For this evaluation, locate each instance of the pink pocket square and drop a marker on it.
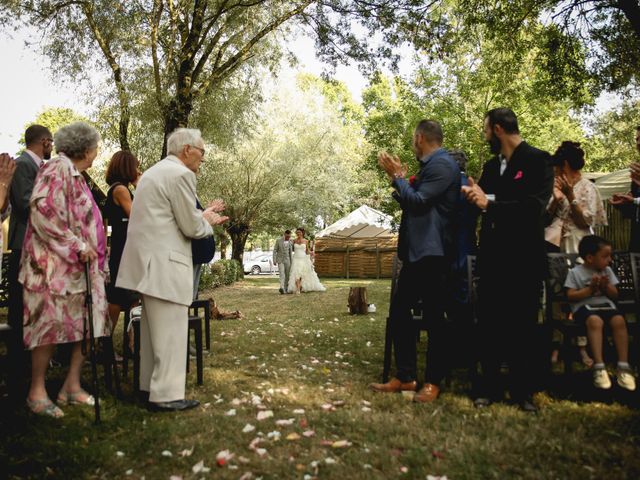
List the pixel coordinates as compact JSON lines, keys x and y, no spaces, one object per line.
{"x":518,"y":175}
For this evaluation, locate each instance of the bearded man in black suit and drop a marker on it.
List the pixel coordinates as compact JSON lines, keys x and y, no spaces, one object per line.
{"x":629,"y":203}
{"x":512,"y":194}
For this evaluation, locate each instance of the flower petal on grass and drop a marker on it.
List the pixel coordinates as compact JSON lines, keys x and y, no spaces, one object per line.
{"x":248,"y":428}
{"x":293,"y":436}
{"x":264,"y":414}
{"x":230,"y":413}
{"x":341,"y":444}
{"x":285,"y":422}
{"x":167,"y":453}
{"x":308,"y":433}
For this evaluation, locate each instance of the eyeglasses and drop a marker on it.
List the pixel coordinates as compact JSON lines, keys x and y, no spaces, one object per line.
{"x":202,"y":150}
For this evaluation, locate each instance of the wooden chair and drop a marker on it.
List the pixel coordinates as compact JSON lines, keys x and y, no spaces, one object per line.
{"x":557,"y":310}
{"x":194,"y":310}
{"x":195,"y":324}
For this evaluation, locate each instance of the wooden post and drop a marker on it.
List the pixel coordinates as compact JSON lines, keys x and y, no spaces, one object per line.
{"x":347,"y":263}
{"x":358,"y":300}
{"x":378,"y":267}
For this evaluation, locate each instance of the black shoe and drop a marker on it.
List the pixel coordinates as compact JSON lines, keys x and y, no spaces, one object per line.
{"x":528,"y":406}
{"x":175,"y":406}
{"x":281,"y":291}
{"x":482,"y":402}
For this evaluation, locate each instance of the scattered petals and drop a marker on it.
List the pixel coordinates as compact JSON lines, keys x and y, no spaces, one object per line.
{"x":437,"y":454}
{"x":404,"y":469}
{"x":299,"y":411}
{"x":187,"y":452}
{"x":366,"y":409}
{"x":261,"y":451}
{"x":119,"y":454}
{"x":275,"y":435}
{"x":308,"y":433}
{"x":248,"y":428}
{"x":264,"y":414}
{"x":223,"y":457}
{"x":341,"y":444}
{"x":293,"y":436}
{"x":230,"y":413}
{"x":200,"y":468}
{"x":329,"y":461}
{"x":285,"y":422}
{"x":167,"y":453}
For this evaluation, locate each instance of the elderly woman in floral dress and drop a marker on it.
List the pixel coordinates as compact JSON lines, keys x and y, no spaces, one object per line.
{"x":64,"y":231}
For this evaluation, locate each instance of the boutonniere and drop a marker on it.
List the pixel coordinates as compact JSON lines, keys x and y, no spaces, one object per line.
{"x":413,"y":179}
{"x":518,"y":175}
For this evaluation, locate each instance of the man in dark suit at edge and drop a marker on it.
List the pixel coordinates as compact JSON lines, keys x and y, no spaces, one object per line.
{"x":512,"y":194}
{"x":39,"y":143}
{"x":629,"y":203}
{"x":424,"y":246}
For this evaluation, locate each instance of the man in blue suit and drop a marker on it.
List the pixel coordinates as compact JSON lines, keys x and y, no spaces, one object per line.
{"x":425,"y":247}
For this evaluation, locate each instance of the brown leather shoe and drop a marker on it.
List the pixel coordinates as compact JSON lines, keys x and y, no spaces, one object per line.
{"x":393,"y":386}
{"x":427,"y":394}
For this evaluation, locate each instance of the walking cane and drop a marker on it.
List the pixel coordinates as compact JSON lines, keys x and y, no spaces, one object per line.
{"x":92,"y":343}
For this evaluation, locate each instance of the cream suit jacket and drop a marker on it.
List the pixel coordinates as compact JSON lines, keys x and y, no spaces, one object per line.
{"x":157,"y":255}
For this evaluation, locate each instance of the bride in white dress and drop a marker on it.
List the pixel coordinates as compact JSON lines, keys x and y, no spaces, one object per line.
{"x":302,"y":276}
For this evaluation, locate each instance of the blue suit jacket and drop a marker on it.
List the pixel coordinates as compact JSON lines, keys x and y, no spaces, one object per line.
{"x":428,"y":208}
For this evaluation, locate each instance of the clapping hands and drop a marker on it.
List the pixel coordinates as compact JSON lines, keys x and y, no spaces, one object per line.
{"x":216,"y":205}
{"x":475,"y":195}
{"x":7,"y":168}
{"x":392,"y":165}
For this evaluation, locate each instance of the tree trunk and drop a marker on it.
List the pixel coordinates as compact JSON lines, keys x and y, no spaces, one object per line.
{"x":176,"y":116}
{"x":239,"y":232}
{"x":631,"y":10}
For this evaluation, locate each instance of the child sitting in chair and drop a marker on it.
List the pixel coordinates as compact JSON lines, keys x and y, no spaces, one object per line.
{"x":591,"y":289}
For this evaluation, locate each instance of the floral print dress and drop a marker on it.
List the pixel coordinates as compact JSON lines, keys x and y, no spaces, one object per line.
{"x":63,"y":217}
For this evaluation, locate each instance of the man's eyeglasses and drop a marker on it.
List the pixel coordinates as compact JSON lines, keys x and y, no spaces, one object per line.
{"x":198,"y":148}
{"x":47,"y":140}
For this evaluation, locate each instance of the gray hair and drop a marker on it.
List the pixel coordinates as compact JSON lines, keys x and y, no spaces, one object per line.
{"x":181,"y":137}
{"x":76,"y":139}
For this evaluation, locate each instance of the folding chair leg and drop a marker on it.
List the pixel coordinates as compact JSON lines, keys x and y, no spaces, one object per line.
{"x":199,"y":359}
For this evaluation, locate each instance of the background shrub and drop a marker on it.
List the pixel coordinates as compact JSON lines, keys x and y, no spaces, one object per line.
{"x":221,"y":272}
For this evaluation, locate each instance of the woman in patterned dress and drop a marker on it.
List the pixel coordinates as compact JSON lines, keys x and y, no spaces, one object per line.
{"x":64,"y":231}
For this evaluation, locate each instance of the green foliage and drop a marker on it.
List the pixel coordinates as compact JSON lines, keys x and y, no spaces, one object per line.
{"x":53,"y":119}
{"x":303,"y":161}
{"x":611,"y":145}
{"x":221,"y":272}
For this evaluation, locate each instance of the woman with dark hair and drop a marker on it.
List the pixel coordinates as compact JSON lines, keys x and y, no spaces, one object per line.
{"x":302,"y":276}
{"x":122,"y":172}
{"x":575,"y":208}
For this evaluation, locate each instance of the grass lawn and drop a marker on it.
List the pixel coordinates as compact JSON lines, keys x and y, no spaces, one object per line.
{"x":306,"y":360}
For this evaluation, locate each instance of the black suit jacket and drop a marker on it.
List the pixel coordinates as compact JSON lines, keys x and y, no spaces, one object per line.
{"x":512,"y":233}
{"x":21,"y":188}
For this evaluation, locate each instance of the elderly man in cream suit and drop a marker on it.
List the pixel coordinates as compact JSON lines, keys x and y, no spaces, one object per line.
{"x":157,"y":263}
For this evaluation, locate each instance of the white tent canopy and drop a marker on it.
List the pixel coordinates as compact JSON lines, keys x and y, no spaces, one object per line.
{"x":363,"y":222}
{"x":614,"y":182}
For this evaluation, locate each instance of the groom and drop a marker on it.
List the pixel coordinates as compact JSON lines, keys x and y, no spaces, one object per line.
{"x":282,"y":252}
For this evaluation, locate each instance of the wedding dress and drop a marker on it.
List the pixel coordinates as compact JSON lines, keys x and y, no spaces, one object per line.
{"x":301,"y":267}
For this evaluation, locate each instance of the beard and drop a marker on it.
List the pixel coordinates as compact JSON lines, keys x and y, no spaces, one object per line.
{"x":47,"y":155}
{"x":495,"y":145}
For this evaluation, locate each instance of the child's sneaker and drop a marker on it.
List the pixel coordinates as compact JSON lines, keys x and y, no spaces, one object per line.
{"x":626,"y":379}
{"x":601,"y":379}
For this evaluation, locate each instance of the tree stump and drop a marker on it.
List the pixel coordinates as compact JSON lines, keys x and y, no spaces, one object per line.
{"x":358,"y":300}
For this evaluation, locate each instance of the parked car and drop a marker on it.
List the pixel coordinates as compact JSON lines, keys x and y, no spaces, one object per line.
{"x":262,"y":264}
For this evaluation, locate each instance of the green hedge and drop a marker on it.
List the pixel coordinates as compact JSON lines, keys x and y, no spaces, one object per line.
{"x":222,"y":272}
